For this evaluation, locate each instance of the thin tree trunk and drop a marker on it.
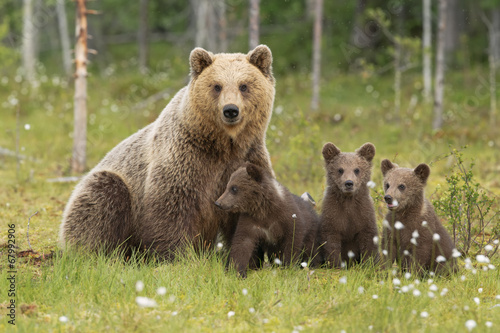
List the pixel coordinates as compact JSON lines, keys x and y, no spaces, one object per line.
{"x":318,"y":16}
{"x":29,"y":49}
{"x":222,"y":26}
{"x":358,"y":37}
{"x":494,"y":56}
{"x":254,"y":23}
{"x":427,"y":51}
{"x":143,"y":35}
{"x":440,"y":67}
{"x":78,"y":160}
{"x":64,"y":34}
{"x":397,"y":80}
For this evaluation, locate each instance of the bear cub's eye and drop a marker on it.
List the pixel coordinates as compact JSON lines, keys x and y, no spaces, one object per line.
{"x":243,"y":88}
{"x":356,"y":171}
{"x":386,"y":186}
{"x":234,"y":189}
{"x":218,"y":88}
{"x":341,"y":171}
{"x":401,"y":187}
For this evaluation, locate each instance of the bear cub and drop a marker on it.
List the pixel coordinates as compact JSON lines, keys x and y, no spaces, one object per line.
{"x":413,"y":234}
{"x":348,"y":224}
{"x":271,"y":219}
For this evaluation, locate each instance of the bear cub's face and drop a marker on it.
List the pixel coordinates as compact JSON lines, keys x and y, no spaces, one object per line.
{"x":403,"y":186}
{"x":243,"y":191}
{"x":348,"y":172}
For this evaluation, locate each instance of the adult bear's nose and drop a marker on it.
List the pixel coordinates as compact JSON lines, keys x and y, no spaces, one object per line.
{"x":230,"y":111}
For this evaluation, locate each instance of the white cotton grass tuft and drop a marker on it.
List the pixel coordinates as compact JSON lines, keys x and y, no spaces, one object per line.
{"x":385,"y":253}
{"x":413,"y":241}
{"x":398,"y":225}
{"x":145,"y":302}
{"x":375,"y":240}
{"x":371,"y":184}
{"x":386,"y":224}
{"x":407,"y":275}
{"x":430,"y":294}
{"x":488,"y":324}
{"x":219,"y":245}
{"x":230,"y":314}
{"x":396,"y":282}
{"x":350,"y":254}
{"x":415,"y":234}
{"x":343,"y":280}
{"x":294,"y":216}
{"x":482,"y":259}
{"x":63,"y":319}
{"x":488,"y":248}
{"x":161,"y":291}
{"x":277,"y":261}
{"x":416,"y":293}
{"x":406,"y":252}
{"x":477,"y":300}
{"x":440,"y":259}
{"x":424,"y":223}
{"x":303,"y":264}
{"x":361,"y":290}
{"x":455,"y":253}
{"x":395,"y":203}
{"x":424,"y":314}
{"x":470,"y":324}
{"x":251,"y":310}
{"x":375,"y":296}
{"x":139,"y":286}
{"x":244,"y":291}
{"x":480,"y":290}
{"x":444,"y":291}
{"x":405,"y":289}
{"x":436,"y":237}
{"x":433,"y":287}
{"x":27,"y":127}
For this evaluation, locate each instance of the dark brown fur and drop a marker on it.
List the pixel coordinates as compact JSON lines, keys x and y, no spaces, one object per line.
{"x":348,"y":217}
{"x":156,"y":188}
{"x":265,"y":222}
{"x":404,"y":195}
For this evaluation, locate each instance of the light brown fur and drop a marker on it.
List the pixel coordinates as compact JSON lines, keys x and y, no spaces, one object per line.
{"x":348,"y":217}
{"x":156,"y":188}
{"x":404,"y":195}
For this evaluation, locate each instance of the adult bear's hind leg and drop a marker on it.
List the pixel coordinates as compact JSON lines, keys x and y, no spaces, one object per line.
{"x":99,"y":213}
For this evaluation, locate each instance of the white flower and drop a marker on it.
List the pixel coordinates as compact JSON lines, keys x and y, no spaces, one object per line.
{"x":375,"y":240}
{"x":396,"y":282}
{"x":386,"y":224}
{"x":251,"y":310}
{"x":433,"y":287}
{"x":424,"y":314}
{"x":436,"y":237}
{"x":350,"y":254}
{"x":361,"y":290}
{"x":230,"y":314}
{"x":277,"y":261}
{"x":415,"y":234}
{"x":430,"y":294}
{"x":444,"y":291}
{"x":343,"y":280}
{"x":424,"y":223}
{"x":470,"y":324}
{"x":27,"y":127}
{"x":63,"y":319}
{"x":375,"y":296}
{"x":440,"y":259}
{"x":476,"y":300}
{"x":488,"y":324}
{"x":413,"y":241}
{"x":416,"y":293}
{"x":304,"y":264}
{"x":482,"y":259}
{"x":219,"y":245}
{"x":294,"y":216}
{"x":488,"y":248}
{"x":161,"y":291}
{"x":407,"y":275}
{"x":371,"y":184}
{"x":139,"y":286}
{"x":244,"y":291}
{"x":398,"y":225}
{"x":405,"y":289}
{"x":145,"y":302}
{"x":455,"y":253}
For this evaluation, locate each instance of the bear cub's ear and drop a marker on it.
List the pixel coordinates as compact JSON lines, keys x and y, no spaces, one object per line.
{"x":386,"y":165}
{"x":367,"y":151}
{"x":254,"y":172}
{"x":199,"y":59}
{"x":262,"y":58}
{"x":330,"y":151}
{"x":422,"y":171}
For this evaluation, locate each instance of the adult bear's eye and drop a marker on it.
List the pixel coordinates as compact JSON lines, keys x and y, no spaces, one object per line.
{"x":243,"y":88}
{"x":234,"y":189}
{"x":218,"y":88}
{"x":401,"y":187}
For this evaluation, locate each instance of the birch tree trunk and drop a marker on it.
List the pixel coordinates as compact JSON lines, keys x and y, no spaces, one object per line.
{"x":318,"y":16}
{"x":28,"y":46}
{"x":440,"y":67}
{"x":254,"y":24}
{"x":143,"y":35}
{"x":427,"y":50}
{"x":64,"y":35}
{"x":79,"y":158}
{"x":220,"y":10}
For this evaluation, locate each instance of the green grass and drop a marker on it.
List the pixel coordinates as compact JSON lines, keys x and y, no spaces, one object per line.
{"x":98,"y":293}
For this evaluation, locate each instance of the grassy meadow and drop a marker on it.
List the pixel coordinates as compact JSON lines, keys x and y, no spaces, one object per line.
{"x":74,"y":292}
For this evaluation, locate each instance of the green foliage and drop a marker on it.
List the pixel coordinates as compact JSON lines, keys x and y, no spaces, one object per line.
{"x":470,"y":210}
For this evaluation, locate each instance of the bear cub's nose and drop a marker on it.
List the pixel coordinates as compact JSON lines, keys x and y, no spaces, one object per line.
{"x":388,"y":199}
{"x":230,"y":111}
{"x":349,"y":184}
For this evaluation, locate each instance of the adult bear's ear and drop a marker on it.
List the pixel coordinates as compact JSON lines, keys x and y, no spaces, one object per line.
{"x":386,"y":165}
{"x":367,"y":151}
{"x":199,"y":59}
{"x":330,"y":151}
{"x":422,"y":171}
{"x":262,"y":58}
{"x":254,"y":172}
